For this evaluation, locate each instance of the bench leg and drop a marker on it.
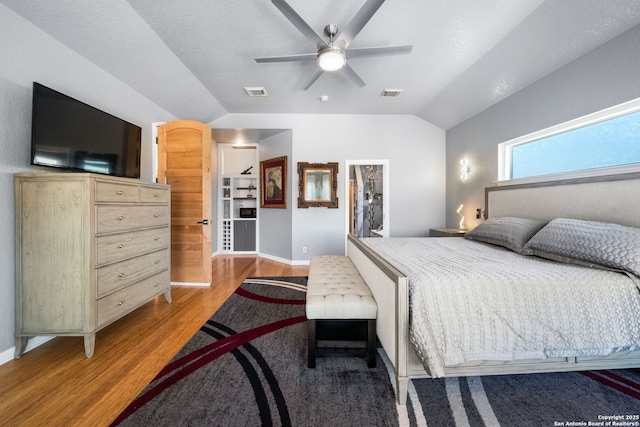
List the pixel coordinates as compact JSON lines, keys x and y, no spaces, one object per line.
{"x":311,"y":343}
{"x":371,"y":343}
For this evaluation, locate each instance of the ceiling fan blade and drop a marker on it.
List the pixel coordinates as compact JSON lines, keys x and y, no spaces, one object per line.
{"x":357,"y":23}
{"x":289,"y":58}
{"x":312,"y":78}
{"x":298,"y":22}
{"x":352,"y":75}
{"x":373,"y":51}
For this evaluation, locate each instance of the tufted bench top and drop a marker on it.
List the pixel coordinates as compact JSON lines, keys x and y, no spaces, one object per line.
{"x":335,"y":290}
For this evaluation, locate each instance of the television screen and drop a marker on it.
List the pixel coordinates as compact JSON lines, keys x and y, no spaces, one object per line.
{"x":70,"y":134}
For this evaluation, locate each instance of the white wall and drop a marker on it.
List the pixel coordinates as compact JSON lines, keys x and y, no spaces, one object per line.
{"x":602,"y":78}
{"x":27,"y":55}
{"x":416,"y":153}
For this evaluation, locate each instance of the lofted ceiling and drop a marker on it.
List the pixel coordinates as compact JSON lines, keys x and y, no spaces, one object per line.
{"x":193,"y":57}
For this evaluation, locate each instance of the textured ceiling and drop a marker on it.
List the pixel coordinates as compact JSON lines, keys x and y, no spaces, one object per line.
{"x":194,"y":57}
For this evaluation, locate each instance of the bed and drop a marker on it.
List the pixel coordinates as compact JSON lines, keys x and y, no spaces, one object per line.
{"x":498,"y":332}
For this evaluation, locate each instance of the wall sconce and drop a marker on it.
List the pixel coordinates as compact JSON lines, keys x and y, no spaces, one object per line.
{"x":465,"y":168}
{"x":461,"y":225}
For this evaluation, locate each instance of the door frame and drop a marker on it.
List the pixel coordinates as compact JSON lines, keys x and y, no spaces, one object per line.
{"x":154,"y":149}
{"x":385,"y":192}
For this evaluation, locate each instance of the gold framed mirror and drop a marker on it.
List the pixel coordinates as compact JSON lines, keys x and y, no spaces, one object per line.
{"x":318,"y":185}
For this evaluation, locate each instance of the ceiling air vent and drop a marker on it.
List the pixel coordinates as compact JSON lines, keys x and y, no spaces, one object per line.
{"x":391,"y":92}
{"x":256,"y":91}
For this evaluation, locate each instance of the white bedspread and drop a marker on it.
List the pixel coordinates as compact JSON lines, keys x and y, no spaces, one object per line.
{"x":474,"y":301}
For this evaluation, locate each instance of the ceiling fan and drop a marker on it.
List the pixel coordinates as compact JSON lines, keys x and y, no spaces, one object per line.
{"x":333,"y":55}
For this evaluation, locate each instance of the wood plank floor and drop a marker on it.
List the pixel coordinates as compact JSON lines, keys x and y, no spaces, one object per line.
{"x":55,"y":385}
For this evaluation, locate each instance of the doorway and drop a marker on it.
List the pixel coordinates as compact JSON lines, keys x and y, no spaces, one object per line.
{"x":184,"y":159}
{"x":367,"y":187}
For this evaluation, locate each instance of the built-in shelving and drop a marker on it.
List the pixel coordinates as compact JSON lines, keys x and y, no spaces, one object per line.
{"x":238,"y":203}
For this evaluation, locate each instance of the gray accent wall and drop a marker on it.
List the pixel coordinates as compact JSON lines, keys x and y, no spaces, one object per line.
{"x":607,"y":76}
{"x":275,"y":224}
{"x":28,"y":55}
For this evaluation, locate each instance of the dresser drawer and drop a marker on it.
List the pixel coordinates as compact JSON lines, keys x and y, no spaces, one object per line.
{"x":123,"y":301}
{"x":124,"y":273}
{"x":116,"y":192}
{"x":118,"y":247}
{"x":154,"y":195}
{"x":114,"y":218}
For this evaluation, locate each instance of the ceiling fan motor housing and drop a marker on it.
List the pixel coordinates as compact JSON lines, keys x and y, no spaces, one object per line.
{"x":331,"y":30}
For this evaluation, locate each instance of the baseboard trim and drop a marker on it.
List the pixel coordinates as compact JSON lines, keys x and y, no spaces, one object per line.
{"x":196,"y":284}
{"x":267,"y":256}
{"x":284,"y":261}
{"x":34,"y":342}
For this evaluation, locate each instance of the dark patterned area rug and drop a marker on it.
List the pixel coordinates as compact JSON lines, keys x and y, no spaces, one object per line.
{"x":247,"y":367}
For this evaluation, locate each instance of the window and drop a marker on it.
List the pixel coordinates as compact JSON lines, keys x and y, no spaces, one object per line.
{"x":604,"y":142}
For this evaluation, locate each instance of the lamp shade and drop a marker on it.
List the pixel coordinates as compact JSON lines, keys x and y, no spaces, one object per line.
{"x":331,"y":58}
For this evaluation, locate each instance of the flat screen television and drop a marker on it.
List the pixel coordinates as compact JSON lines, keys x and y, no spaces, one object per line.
{"x":69,"y":134}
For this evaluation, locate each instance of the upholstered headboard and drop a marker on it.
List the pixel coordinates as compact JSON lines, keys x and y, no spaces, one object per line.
{"x":610,"y":198}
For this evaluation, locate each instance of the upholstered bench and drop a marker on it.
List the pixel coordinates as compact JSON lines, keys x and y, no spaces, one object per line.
{"x":338,"y":301}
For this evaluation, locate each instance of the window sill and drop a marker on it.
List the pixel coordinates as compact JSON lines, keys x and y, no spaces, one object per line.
{"x":586,"y":173}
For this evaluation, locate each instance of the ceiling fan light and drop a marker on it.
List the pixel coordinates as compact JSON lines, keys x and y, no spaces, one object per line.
{"x":331,"y":58}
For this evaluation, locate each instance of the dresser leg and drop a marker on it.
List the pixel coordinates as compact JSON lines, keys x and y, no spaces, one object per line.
{"x":21,"y":345}
{"x":167,"y":295}
{"x":89,"y":344}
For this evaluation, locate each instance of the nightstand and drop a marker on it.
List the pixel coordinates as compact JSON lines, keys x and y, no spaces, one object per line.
{"x":446,"y":232}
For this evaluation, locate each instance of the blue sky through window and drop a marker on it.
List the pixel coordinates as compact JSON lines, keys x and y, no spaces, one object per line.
{"x":608,"y":143}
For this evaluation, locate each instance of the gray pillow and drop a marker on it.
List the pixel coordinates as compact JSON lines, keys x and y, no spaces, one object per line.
{"x":509,"y":232}
{"x":589,"y":243}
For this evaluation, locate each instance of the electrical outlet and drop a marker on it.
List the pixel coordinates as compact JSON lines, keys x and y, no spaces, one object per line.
{"x":304,"y":249}
{"x":479,"y":213}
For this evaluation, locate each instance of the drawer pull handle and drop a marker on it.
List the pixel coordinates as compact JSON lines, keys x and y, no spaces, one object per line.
{"x":120,"y":246}
{"x":156,"y":215}
{"x":156,"y":195}
{"x":121,"y":275}
{"x":120,"y":218}
{"x":120,"y":302}
{"x":156,"y":285}
{"x":120,"y":193}
{"x":157,"y":261}
{"x":157,"y":238}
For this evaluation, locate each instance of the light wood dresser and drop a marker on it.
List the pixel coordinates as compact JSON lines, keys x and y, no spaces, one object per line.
{"x":90,"y":248}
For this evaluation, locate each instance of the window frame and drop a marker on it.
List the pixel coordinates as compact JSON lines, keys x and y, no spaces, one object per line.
{"x":505,"y":148}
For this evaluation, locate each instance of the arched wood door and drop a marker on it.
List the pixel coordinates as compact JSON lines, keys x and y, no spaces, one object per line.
{"x":184,"y":162}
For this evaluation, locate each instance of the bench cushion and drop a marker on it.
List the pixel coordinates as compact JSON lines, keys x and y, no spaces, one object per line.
{"x":335,"y":290}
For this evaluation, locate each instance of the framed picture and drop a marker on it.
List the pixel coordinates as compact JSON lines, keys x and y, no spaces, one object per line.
{"x":273,"y":183}
{"x":318,"y":185}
